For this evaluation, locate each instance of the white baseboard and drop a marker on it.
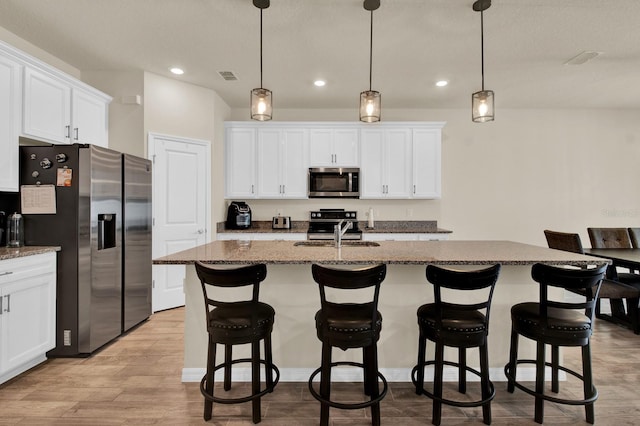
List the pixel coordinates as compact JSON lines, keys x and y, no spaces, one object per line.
{"x":354,"y":374}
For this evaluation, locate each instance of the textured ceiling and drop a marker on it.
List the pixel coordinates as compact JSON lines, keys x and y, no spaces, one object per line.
{"x":416,"y":42}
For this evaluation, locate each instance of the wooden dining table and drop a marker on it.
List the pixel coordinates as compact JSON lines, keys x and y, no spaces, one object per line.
{"x":625,"y":258}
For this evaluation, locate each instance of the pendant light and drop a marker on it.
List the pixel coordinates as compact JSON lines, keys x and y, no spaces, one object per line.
{"x":261,"y":108}
{"x":482,"y":101}
{"x":370,"y":99}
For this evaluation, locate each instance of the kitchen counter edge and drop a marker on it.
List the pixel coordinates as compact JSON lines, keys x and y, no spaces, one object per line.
{"x":7,"y":253}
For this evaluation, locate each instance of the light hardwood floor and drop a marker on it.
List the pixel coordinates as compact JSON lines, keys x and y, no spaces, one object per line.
{"x":136,"y":380}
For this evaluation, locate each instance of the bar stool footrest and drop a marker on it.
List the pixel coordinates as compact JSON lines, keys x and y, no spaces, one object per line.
{"x":251,"y":397}
{"x":345,"y":406}
{"x":592,"y":399}
{"x":451,"y":402}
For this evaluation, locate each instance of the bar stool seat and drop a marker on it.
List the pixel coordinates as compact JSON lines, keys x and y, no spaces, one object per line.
{"x":349,"y":326}
{"x":556,"y":323}
{"x":233,"y":323}
{"x":458,"y":325}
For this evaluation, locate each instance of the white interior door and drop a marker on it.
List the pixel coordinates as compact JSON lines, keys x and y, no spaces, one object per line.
{"x":180,"y":209}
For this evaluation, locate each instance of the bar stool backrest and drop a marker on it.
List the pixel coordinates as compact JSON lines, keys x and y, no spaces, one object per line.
{"x":584,"y":281}
{"x":609,"y":237}
{"x":251,"y":275}
{"x":634,"y":234}
{"x":462,"y":280}
{"x":564,"y":241}
{"x":350,"y":279}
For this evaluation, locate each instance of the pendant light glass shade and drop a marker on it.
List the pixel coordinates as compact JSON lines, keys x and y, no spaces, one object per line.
{"x":482,"y":106}
{"x":482,"y":102}
{"x":370,"y":100}
{"x":261,"y":107}
{"x":370,"y":106}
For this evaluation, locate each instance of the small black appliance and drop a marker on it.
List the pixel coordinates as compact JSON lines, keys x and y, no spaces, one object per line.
{"x":238,"y":215}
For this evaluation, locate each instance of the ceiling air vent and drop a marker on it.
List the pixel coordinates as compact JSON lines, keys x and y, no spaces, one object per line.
{"x":583,"y":57}
{"x":227,"y":75}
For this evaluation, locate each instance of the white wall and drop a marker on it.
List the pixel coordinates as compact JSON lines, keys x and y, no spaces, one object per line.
{"x":176,"y":108}
{"x":512,"y":178}
{"x":35,"y":51}
{"x":126,"y":121}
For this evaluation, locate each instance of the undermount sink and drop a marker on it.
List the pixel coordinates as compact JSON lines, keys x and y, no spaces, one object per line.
{"x":331,"y":243}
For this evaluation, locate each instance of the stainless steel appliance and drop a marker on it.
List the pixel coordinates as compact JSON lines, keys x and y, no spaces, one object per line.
{"x":136,"y":240}
{"x":281,"y":222}
{"x":86,"y":223}
{"x":322,"y":224}
{"x":334,"y":182}
{"x":238,"y":215}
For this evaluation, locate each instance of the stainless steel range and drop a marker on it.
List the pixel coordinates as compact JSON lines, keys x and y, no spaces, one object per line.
{"x":322,"y":224}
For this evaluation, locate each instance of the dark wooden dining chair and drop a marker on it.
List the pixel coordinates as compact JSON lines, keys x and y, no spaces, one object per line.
{"x":614,"y":238}
{"x":614,"y":290}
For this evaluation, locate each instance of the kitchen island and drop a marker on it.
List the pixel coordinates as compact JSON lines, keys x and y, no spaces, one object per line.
{"x":290,"y":289}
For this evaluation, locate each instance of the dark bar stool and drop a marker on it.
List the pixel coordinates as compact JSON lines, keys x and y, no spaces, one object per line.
{"x":556,"y":323}
{"x":236,"y":323}
{"x":348,"y":326}
{"x":456,"y":325}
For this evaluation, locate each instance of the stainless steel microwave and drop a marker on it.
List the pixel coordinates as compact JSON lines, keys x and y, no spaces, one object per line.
{"x":334,"y":182}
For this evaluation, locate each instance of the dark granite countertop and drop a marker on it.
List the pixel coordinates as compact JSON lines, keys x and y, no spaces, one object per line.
{"x":389,"y":252}
{"x":381,"y":226}
{"x":13,"y":253}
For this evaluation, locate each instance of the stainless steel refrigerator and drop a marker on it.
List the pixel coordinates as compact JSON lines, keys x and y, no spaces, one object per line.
{"x":86,"y":221}
{"x":136,"y":227}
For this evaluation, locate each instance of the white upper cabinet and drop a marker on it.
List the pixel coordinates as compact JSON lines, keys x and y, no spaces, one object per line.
{"x":266,"y":162}
{"x":57,"y":112}
{"x":333,"y":147}
{"x":426,"y":163}
{"x":240,"y":162}
{"x":89,"y":118}
{"x":397,"y":160}
{"x":282,"y":163}
{"x":401,"y":160}
{"x":10,"y":94}
{"x":47,"y":107}
{"x":385,"y":163}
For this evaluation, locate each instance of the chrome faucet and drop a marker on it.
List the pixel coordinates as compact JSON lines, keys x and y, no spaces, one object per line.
{"x":339,"y":231}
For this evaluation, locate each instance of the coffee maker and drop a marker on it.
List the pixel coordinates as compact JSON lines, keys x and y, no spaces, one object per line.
{"x":238,"y":215}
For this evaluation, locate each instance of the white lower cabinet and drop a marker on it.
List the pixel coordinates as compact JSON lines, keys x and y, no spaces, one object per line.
{"x":27,"y":312}
{"x":408,"y":236}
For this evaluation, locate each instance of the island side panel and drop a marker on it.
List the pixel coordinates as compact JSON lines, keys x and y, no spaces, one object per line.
{"x":292,"y":292}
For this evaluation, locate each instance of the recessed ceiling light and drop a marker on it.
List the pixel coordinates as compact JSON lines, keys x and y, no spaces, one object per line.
{"x":441,"y":83}
{"x":177,"y":71}
{"x":319,"y":83}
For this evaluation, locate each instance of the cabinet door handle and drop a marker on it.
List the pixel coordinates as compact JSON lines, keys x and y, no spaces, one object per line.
{"x":6,"y":273}
{"x":75,"y":131}
{"x":8,"y":296}
{"x":414,"y":189}
{"x":283,"y":191}
{"x":68,"y":131}
{"x":1,"y":305}
{"x":252,"y":189}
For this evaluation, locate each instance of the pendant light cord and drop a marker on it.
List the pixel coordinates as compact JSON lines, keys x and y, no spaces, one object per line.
{"x":482,"y":44}
{"x":371,"y":51}
{"x":260,"y":48}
